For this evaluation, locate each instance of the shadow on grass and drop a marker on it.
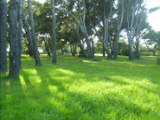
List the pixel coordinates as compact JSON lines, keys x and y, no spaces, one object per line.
{"x":65,"y":104}
{"x":43,"y":96}
{"x":109,"y":68}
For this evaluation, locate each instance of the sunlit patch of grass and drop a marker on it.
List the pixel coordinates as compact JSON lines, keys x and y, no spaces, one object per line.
{"x":80,"y":89}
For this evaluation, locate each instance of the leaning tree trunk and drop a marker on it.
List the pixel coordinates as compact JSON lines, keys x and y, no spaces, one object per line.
{"x":81,"y":21}
{"x":119,"y":25}
{"x":3,"y":36}
{"x":14,"y":44}
{"x":20,"y":26}
{"x":82,"y":51}
{"x":28,"y":35}
{"x":47,"y":48}
{"x":54,"y":56}
{"x":35,"y":48}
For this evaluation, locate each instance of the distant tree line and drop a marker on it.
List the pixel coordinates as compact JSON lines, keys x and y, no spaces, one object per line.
{"x":83,"y":25}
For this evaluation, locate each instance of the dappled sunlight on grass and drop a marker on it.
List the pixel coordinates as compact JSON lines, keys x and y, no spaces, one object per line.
{"x":30,"y":71}
{"x":79,"y":89}
{"x":23,"y":83}
{"x":52,"y":88}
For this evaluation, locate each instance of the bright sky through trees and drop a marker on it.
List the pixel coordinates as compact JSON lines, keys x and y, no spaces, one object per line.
{"x":153,"y":18}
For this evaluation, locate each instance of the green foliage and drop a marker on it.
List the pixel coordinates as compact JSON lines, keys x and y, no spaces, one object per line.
{"x":158,"y":60}
{"x":153,"y":41}
{"x":123,"y":48}
{"x":79,"y":89}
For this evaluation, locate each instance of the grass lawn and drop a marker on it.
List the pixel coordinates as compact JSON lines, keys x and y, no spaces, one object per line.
{"x":79,"y":89}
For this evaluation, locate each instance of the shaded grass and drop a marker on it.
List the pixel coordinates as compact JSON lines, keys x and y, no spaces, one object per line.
{"x":79,"y":89}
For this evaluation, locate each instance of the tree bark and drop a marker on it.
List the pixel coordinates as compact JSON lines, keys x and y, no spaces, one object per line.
{"x":20,"y":26}
{"x":138,"y":31}
{"x":82,"y":52}
{"x":119,"y":25}
{"x":47,"y":48}
{"x":130,"y":46}
{"x":35,"y":48}
{"x":131,"y":32}
{"x":105,"y":39}
{"x":28,"y":35}
{"x":105,"y":30}
{"x":54,"y":56}
{"x":137,"y":52}
{"x":14,"y":43}
{"x":3,"y":36}
{"x":82,"y":25}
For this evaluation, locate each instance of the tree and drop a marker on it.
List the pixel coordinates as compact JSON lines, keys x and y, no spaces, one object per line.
{"x":14,"y":43}
{"x":152,"y":41}
{"x":118,"y":27}
{"x":106,"y":19}
{"x":133,"y":9}
{"x":79,"y":15}
{"x":3,"y":36}
{"x":35,"y":48}
{"x":20,"y":26}
{"x":54,"y":59}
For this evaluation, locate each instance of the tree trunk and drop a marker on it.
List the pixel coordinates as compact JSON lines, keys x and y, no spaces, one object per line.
{"x":54,"y":56}
{"x":14,"y":43}
{"x":154,"y":53}
{"x":90,"y":53}
{"x":119,"y":25}
{"x":130,"y":45}
{"x":82,"y":24}
{"x":20,"y":26}
{"x":105,"y":39}
{"x":115,"y":45}
{"x":28,"y":35}
{"x":73,"y":49}
{"x":35,"y":48}
{"x":47,"y":48}
{"x":3,"y":36}
{"x":82,"y":52}
{"x":106,"y":29}
{"x":137,"y":52}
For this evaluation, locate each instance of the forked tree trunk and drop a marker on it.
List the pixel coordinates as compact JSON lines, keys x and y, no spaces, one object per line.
{"x":3,"y":36}
{"x":82,"y":25}
{"x":106,"y":30}
{"x":82,"y":51}
{"x":119,"y":25}
{"x":14,"y":43}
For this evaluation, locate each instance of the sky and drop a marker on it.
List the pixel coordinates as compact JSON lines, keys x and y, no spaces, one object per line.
{"x":153,"y":18}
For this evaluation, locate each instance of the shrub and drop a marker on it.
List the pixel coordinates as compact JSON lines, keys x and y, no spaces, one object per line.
{"x":158,"y":60}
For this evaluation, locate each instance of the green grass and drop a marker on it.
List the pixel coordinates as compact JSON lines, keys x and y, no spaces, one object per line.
{"x":87,"y":90}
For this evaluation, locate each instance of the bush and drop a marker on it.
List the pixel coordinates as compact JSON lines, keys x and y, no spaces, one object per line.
{"x":158,"y":60}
